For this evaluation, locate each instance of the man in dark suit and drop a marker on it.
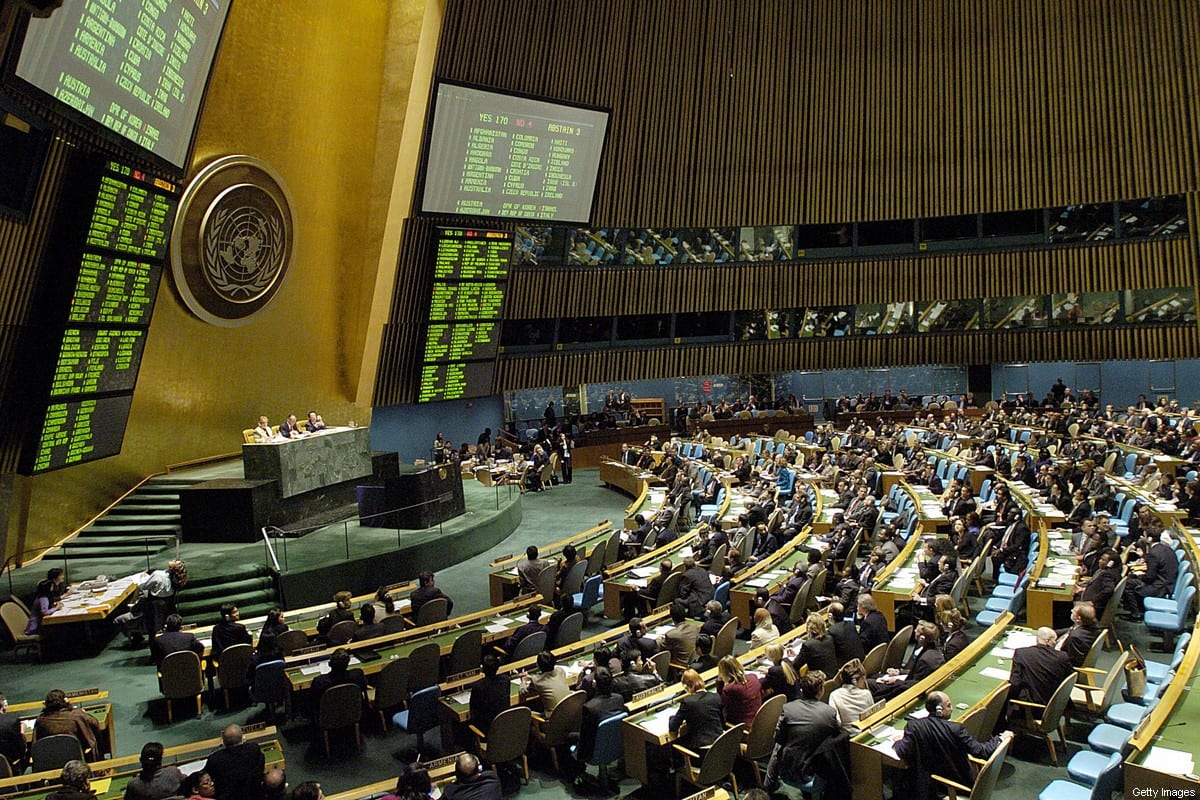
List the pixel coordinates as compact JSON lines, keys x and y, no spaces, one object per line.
{"x":635,"y":603}
{"x":368,"y":628}
{"x":173,"y":639}
{"x":637,"y":675}
{"x":1099,"y":590}
{"x":490,"y":695}
{"x":695,"y":587}
{"x":935,"y":744}
{"x":1037,"y":670}
{"x":700,"y":711}
{"x":961,"y":504}
{"x":533,"y":624}
{"x":847,"y":643}
{"x":472,"y":781}
{"x":12,"y":740}
{"x":1077,"y":640}
{"x":237,"y":767}
{"x":872,"y":625}
{"x":1013,"y":548}
{"x":290,"y":428}
{"x":636,"y":639}
{"x":339,"y":673}
{"x":426,"y":591}
{"x":603,"y":705}
{"x":925,"y":659}
{"x":1162,"y":568}
{"x":787,"y":593}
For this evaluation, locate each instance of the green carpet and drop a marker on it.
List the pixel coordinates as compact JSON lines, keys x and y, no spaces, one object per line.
{"x":547,"y":517}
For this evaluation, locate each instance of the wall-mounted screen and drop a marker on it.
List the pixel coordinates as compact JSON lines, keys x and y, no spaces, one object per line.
{"x":494,"y":154}
{"x":138,"y":68}
{"x":462,"y":330}
{"x":80,"y":431}
{"x":102,"y":269}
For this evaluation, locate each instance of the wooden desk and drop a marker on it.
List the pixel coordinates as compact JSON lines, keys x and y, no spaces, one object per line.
{"x":80,"y":697}
{"x":96,"y":604}
{"x":1055,"y":584}
{"x":101,"y":712}
{"x":503,"y":584}
{"x":306,"y":619}
{"x":771,"y":574}
{"x":626,"y":478}
{"x":441,"y":772}
{"x":496,"y":624}
{"x":122,"y":769}
{"x":633,"y":574}
{"x":970,"y":678}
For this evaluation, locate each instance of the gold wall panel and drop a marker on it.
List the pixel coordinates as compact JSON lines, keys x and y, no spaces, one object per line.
{"x":310,"y":88}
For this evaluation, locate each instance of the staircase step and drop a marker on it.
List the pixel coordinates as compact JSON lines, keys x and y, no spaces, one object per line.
{"x":157,"y":518}
{"x":222,"y":590}
{"x":84,"y":542}
{"x":146,"y":505}
{"x":238,"y":572}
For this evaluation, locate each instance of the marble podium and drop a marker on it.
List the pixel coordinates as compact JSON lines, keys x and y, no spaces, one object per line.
{"x":310,"y":462}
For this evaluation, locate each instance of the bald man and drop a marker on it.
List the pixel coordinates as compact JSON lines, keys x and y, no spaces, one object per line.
{"x":936,"y":744}
{"x":1037,"y":670}
{"x":695,"y":587}
{"x":236,"y":767}
{"x":472,"y":781}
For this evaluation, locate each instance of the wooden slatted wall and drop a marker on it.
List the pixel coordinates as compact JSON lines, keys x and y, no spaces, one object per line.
{"x":757,"y":112}
{"x":21,"y":248}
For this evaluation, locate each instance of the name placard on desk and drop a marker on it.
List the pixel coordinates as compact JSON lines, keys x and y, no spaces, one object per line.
{"x":872,"y":709}
{"x":304,"y":651}
{"x":82,"y":692}
{"x":462,"y":676}
{"x":444,"y":761}
{"x":704,"y":794}
{"x":644,"y":693}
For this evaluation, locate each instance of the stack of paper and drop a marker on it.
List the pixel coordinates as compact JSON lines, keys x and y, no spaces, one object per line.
{"x":1174,"y":762}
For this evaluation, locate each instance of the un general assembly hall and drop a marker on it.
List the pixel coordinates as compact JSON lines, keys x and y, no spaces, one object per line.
{"x":709,"y":399}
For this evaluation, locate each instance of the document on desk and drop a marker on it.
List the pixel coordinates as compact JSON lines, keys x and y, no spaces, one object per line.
{"x":1164,"y":759}
{"x":1017,"y":639}
{"x":887,"y":736}
{"x":192,"y":767}
{"x":995,"y":672}
{"x":498,"y":625}
{"x":659,"y":723}
{"x":644,"y":572}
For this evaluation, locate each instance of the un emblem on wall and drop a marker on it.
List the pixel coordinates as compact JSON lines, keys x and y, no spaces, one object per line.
{"x":232,"y":240}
